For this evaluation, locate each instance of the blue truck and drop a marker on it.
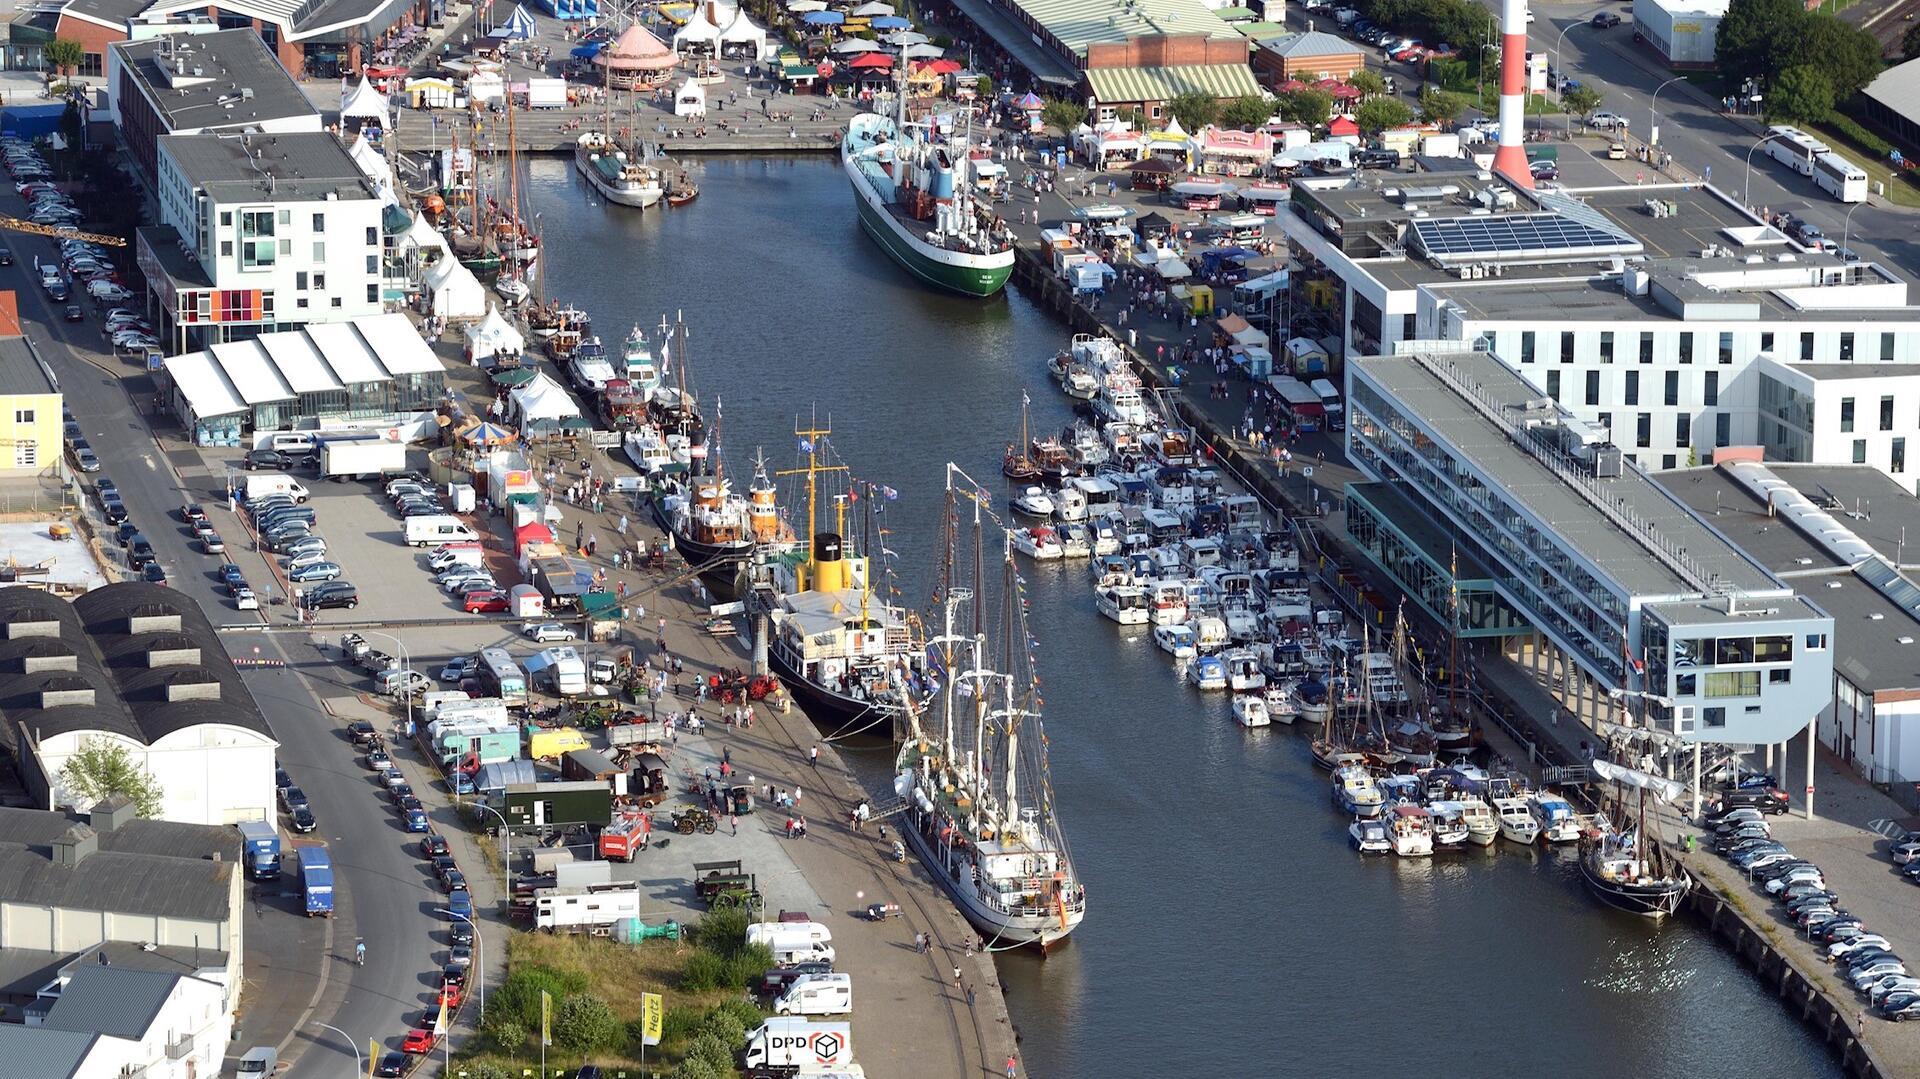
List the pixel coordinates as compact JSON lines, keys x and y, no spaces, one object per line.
{"x":262,"y":843}
{"x":316,"y":878}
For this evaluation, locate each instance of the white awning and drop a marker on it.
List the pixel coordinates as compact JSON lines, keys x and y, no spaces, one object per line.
{"x":205,"y":387}
{"x":299,"y":362}
{"x":543,"y":399}
{"x":253,"y":375}
{"x":346,"y":353}
{"x":397,"y":344}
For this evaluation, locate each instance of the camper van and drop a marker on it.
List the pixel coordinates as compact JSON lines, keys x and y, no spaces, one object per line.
{"x":817,"y":994}
{"x":1330,"y":403}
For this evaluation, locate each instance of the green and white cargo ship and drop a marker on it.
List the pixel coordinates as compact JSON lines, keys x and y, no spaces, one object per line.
{"x":915,"y":197}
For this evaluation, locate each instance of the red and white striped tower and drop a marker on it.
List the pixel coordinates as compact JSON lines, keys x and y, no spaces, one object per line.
{"x":1510,"y":160}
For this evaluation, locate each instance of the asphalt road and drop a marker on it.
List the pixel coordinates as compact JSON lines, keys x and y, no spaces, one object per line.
{"x":384,"y":893}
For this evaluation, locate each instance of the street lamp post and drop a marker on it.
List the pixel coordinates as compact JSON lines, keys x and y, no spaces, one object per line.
{"x":1480,"y":87}
{"x":1846,"y":231}
{"x":1746,"y":185}
{"x":352,"y":1044}
{"x":1653,"y":126}
{"x":1560,"y":73}
{"x":479,"y":954}
{"x":506,"y":838}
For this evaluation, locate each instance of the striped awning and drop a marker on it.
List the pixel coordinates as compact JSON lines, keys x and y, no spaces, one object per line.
{"x":1119,"y":85}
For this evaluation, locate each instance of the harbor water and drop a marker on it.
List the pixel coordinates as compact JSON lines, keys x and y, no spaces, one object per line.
{"x":1230,"y":930}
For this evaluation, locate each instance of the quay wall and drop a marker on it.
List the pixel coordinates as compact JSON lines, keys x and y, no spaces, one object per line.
{"x":1730,"y":920}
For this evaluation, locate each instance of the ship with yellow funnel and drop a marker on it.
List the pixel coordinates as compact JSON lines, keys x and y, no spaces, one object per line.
{"x":839,"y":646}
{"x":717,"y":530}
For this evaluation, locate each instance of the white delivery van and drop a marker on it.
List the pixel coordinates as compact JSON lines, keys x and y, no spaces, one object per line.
{"x":466,"y":554}
{"x":262,"y":484}
{"x":807,"y":1046}
{"x":437,"y":528}
{"x":767,"y":932}
{"x":1330,"y":402}
{"x":296,"y":443}
{"x":817,"y":994}
{"x":788,"y":952}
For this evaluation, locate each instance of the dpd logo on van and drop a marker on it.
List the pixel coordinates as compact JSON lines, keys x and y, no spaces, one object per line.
{"x":826,"y":1046}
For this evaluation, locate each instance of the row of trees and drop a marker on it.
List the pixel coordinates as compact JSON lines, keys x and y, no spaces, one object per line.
{"x":1310,"y":106}
{"x":1810,"y":61}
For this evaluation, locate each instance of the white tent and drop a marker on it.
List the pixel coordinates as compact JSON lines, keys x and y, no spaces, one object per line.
{"x":452,"y":291}
{"x":363,"y":102}
{"x":690,"y":99}
{"x":872,"y":8}
{"x":853,"y":46}
{"x":486,"y":86}
{"x":421,"y":238}
{"x":801,"y":7}
{"x":542,"y":399}
{"x":703,"y":27}
{"x":493,"y":335}
{"x":373,"y":165}
{"x":742,"y":37}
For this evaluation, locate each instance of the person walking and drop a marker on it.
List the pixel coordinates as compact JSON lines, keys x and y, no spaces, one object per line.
{"x":1013,"y":1067}
{"x":813,"y":757}
{"x":956,"y":975}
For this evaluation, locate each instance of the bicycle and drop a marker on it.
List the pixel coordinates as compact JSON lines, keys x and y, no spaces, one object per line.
{"x":360,"y":952}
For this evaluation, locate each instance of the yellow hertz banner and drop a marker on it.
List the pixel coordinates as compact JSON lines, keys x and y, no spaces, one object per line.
{"x":373,"y":1053}
{"x":546,"y":1018}
{"x":652,"y":1013}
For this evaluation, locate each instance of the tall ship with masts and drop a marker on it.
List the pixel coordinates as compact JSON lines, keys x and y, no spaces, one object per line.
{"x":913,"y":187}
{"x":835,"y":639}
{"x":972,"y":766}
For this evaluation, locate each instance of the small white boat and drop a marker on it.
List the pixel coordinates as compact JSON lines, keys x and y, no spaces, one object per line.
{"x":1169,"y":604}
{"x":1243,"y":671}
{"x":1311,"y":701}
{"x":1558,"y":823}
{"x":1080,"y":383}
{"x":1482,"y":826}
{"x":1450,"y":829}
{"x":1034,"y":502}
{"x":1105,"y":541}
{"x":1250,"y":711}
{"x":1279,"y":700}
{"x":1411,"y":830}
{"x":1207,"y":673}
{"x":1070,"y":504}
{"x":1176,"y":641}
{"x":1039,"y":544}
{"x":1355,"y":792}
{"x":1369,"y":836}
{"x":1075,"y":542}
{"x":1125,"y":604}
{"x":512,"y":289}
{"x":1516,"y":821}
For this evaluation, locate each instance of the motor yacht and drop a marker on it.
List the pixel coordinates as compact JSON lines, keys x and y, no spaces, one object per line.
{"x":1250,"y":711}
{"x":1369,"y":837}
{"x":1127,"y":605}
{"x":1040,"y":544}
{"x":1517,"y":824}
{"x":1034,"y":502}
{"x":1558,"y":823}
{"x":1176,"y":641}
{"x":1075,"y":542}
{"x":1207,"y":673}
{"x":1355,"y":792}
{"x":1410,"y":829}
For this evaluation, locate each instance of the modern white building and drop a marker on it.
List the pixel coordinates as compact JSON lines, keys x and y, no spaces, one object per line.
{"x":107,"y":1022}
{"x":1620,"y":586}
{"x":136,"y":665}
{"x":1681,"y":32}
{"x":260,"y":232}
{"x":1666,"y":316}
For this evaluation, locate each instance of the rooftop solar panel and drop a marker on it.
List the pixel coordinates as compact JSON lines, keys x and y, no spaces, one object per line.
{"x":1517,"y":234}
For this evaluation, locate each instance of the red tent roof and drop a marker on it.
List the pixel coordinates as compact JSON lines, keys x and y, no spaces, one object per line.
{"x":1291,"y":85}
{"x":942,"y":66}
{"x":1343,"y":126}
{"x":871,"y":60}
{"x":532,"y":532}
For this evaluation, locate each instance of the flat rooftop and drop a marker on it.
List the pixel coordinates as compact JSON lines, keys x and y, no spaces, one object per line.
{"x":1675,"y":293}
{"x":219,"y":80}
{"x":297,"y":166}
{"x":1646,"y":540}
{"x":1742,"y":518}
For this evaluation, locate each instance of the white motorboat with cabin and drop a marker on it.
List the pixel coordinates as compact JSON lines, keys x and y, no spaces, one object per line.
{"x":1369,"y":836}
{"x":1410,"y":829}
{"x":1279,"y":698}
{"x":1176,"y":641}
{"x":1450,"y":829}
{"x":1243,"y":671}
{"x":1517,"y":824}
{"x":1075,"y":541}
{"x":1038,"y":543}
{"x":1482,"y":826}
{"x":1034,"y":502}
{"x":1355,"y":792}
{"x":1558,"y":822}
{"x":1250,"y":711}
{"x":1169,"y":603}
{"x":1125,"y":604}
{"x":1207,"y":673}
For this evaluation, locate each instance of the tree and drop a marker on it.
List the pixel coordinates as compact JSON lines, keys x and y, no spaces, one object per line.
{"x":64,"y":55}
{"x":505,"y":1032}
{"x":1246,"y":112}
{"x":1194,"y":109}
{"x":1846,"y":54}
{"x":983,"y":88}
{"x":1368,"y":81}
{"x":1582,"y":101}
{"x":1757,"y":36}
{"x":1377,"y":114}
{"x":1910,"y":44}
{"x":1065,"y":115}
{"x":584,"y":1022}
{"x":102,"y":768}
{"x":486,"y":1069}
{"x":1309,"y":106}
{"x":1801,"y":93}
{"x":1441,"y":107}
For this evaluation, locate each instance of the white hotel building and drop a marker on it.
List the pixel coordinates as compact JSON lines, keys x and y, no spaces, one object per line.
{"x":1667,"y":315}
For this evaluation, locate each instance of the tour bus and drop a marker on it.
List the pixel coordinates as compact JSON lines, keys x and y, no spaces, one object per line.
{"x":502,"y":676}
{"x":1840,"y":178}
{"x":1252,"y":298}
{"x":1794,"y":148}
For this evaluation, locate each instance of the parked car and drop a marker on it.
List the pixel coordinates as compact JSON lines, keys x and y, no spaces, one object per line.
{"x":269,"y":460}
{"x":1606,"y":20}
{"x":153,"y":574}
{"x":484,"y":601}
{"x":433,"y":845}
{"x":457,"y":668}
{"x":331,"y":594}
{"x":547,"y":631}
{"x":419,"y":1040}
{"x":302,"y":820}
{"x":84,"y":459}
{"x":245,"y":600}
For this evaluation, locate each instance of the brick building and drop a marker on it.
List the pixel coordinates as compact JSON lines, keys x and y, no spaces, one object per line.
{"x":1309,"y":57}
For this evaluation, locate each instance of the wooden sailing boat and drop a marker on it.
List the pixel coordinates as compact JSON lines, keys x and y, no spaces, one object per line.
{"x":1017,"y":465}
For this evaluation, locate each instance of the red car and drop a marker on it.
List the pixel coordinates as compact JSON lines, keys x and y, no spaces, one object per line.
{"x":418,"y":1040}
{"x":451,"y":995}
{"x":483,"y":602}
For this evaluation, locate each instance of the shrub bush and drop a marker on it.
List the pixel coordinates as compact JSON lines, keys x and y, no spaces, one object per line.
{"x":723,"y":1026}
{"x":505,"y":1032}
{"x":695,"y":1068}
{"x":487,"y":1069}
{"x":713,"y":1051}
{"x":704,"y":971}
{"x":746,"y":1011}
{"x":1865,"y":139}
{"x":584,"y":1022}
{"x":724,"y":931}
{"x":676,"y":1026}
{"x":519,"y":994}
{"x":747,"y":964}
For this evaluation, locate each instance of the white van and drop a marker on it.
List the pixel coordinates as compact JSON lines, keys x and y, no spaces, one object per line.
{"x":437,"y":528}
{"x":297,"y":443}
{"x":786,"y":953}
{"x":769,"y":932}
{"x":817,"y":994}
{"x":461,"y":555}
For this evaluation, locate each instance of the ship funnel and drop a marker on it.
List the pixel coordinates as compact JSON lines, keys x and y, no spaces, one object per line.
{"x":830,"y":571}
{"x":1510,"y":159}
